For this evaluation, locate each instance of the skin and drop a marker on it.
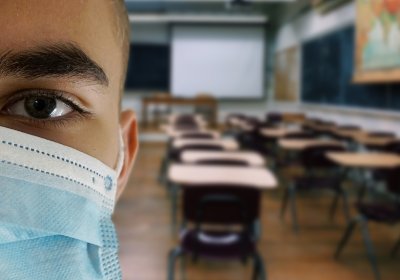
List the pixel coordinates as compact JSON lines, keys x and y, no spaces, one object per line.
{"x":90,"y":25}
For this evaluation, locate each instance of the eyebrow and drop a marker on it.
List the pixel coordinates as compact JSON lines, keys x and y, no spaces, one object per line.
{"x":64,"y":60}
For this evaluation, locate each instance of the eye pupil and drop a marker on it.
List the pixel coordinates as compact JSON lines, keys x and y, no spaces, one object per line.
{"x":40,"y":107}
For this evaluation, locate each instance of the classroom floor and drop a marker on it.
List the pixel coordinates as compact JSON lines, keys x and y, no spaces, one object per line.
{"x":143,"y":224}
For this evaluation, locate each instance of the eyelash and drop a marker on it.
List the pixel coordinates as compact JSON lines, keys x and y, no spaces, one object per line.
{"x":77,"y":114}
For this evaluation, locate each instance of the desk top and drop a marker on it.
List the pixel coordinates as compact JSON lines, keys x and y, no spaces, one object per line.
{"x":365,"y":159}
{"x":171,"y":131}
{"x":213,"y":133}
{"x":227,"y":144}
{"x":321,"y":126}
{"x":365,"y":139}
{"x":351,"y":133}
{"x":240,"y":124}
{"x":278,"y":132}
{"x":251,"y":158}
{"x":260,"y":178}
{"x":301,"y":144}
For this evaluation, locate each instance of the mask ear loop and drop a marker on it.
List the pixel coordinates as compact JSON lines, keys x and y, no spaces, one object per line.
{"x":121,"y":154}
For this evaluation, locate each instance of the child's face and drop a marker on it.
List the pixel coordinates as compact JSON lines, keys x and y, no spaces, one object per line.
{"x":41,"y":93}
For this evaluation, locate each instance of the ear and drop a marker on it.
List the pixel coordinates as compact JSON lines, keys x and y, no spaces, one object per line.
{"x":130,"y":137}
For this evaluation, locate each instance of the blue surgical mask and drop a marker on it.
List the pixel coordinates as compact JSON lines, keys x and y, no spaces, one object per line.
{"x":55,"y":212}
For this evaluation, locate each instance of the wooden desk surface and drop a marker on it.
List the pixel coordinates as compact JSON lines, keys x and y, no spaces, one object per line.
{"x":172,"y":131}
{"x":213,"y":133}
{"x":260,"y":178}
{"x":320,"y":126}
{"x":240,"y":124}
{"x":365,"y":139}
{"x":278,"y":132}
{"x":301,"y":144}
{"x":251,"y":158}
{"x":351,"y":133}
{"x":365,"y":159}
{"x":227,"y":144}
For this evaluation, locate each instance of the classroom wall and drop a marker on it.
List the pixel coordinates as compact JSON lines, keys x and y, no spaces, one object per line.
{"x":312,"y":25}
{"x":158,"y":33}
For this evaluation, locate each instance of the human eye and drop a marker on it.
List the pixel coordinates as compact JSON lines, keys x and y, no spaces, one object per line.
{"x":43,"y":106}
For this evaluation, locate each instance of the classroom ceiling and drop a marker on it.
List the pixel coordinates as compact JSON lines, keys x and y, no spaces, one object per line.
{"x":276,"y":10}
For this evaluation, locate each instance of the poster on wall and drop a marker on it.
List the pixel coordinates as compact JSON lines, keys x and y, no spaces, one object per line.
{"x":377,"y":54}
{"x":287,"y":75}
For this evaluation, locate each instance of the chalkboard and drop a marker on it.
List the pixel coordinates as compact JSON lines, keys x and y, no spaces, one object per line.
{"x":148,"y":67}
{"x":327,"y":72}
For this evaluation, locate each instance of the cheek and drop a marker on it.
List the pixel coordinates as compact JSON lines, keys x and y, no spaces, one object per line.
{"x":101,"y":140}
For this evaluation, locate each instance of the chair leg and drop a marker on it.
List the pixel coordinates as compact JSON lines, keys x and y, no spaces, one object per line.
{"x":395,"y":249}
{"x":361,"y":193}
{"x":284,"y":203}
{"x":259,"y":270}
{"x":346,"y":208}
{"x":370,"y":248}
{"x":335,"y":201}
{"x":173,"y":255}
{"x":292,"y":198}
{"x":163,"y":167}
{"x":174,"y":206}
{"x":345,"y":237}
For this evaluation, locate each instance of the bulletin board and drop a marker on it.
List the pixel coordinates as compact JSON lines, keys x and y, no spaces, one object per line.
{"x":377,"y":48}
{"x":287,"y":74}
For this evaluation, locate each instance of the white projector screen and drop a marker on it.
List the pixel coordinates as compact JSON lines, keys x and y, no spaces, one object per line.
{"x":225,"y":61}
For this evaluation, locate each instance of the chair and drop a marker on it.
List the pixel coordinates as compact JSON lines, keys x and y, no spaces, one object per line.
{"x":274,"y":117}
{"x":160,"y":111}
{"x":387,"y":212}
{"x":393,"y":147}
{"x":203,"y":110}
{"x":344,"y":128}
{"x":197,"y":135}
{"x":221,"y":206}
{"x":320,"y":174}
{"x":379,"y":134}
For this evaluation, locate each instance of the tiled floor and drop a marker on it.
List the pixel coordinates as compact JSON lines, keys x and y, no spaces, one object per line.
{"x":143,"y":223}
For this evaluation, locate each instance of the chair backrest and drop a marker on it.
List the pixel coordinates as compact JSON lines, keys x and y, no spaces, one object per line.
{"x":185,"y":119}
{"x":197,"y":135}
{"x":274,"y":117}
{"x":381,"y":134}
{"x":393,"y":180}
{"x":315,"y":157}
{"x":393,"y":147}
{"x":299,"y":135}
{"x":221,"y":204}
{"x":344,"y":127}
{"x":226,"y":162}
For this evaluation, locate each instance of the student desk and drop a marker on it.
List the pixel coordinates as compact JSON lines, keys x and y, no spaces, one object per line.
{"x":198,"y":175}
{"x":198,"y":118}
{"x":226,"y":144}
{"x":320,"y":127}
{"x":301,"y":144}
{"x":176,"y":133}
{"x":178,"y":101}
{"x":366,"y":161}
{"x":171,"y":131}
{"x":241,"y":124}
{"x":278,"y":132}
{"x":347,"y":133}
{"x":371,"y":140}
{"x":251,"y":158}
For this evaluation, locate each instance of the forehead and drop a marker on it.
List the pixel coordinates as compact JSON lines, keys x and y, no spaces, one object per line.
{"x":88,"y":23}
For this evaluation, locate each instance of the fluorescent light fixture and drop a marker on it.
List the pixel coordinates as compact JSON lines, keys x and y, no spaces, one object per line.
{"x":158,"y":18}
